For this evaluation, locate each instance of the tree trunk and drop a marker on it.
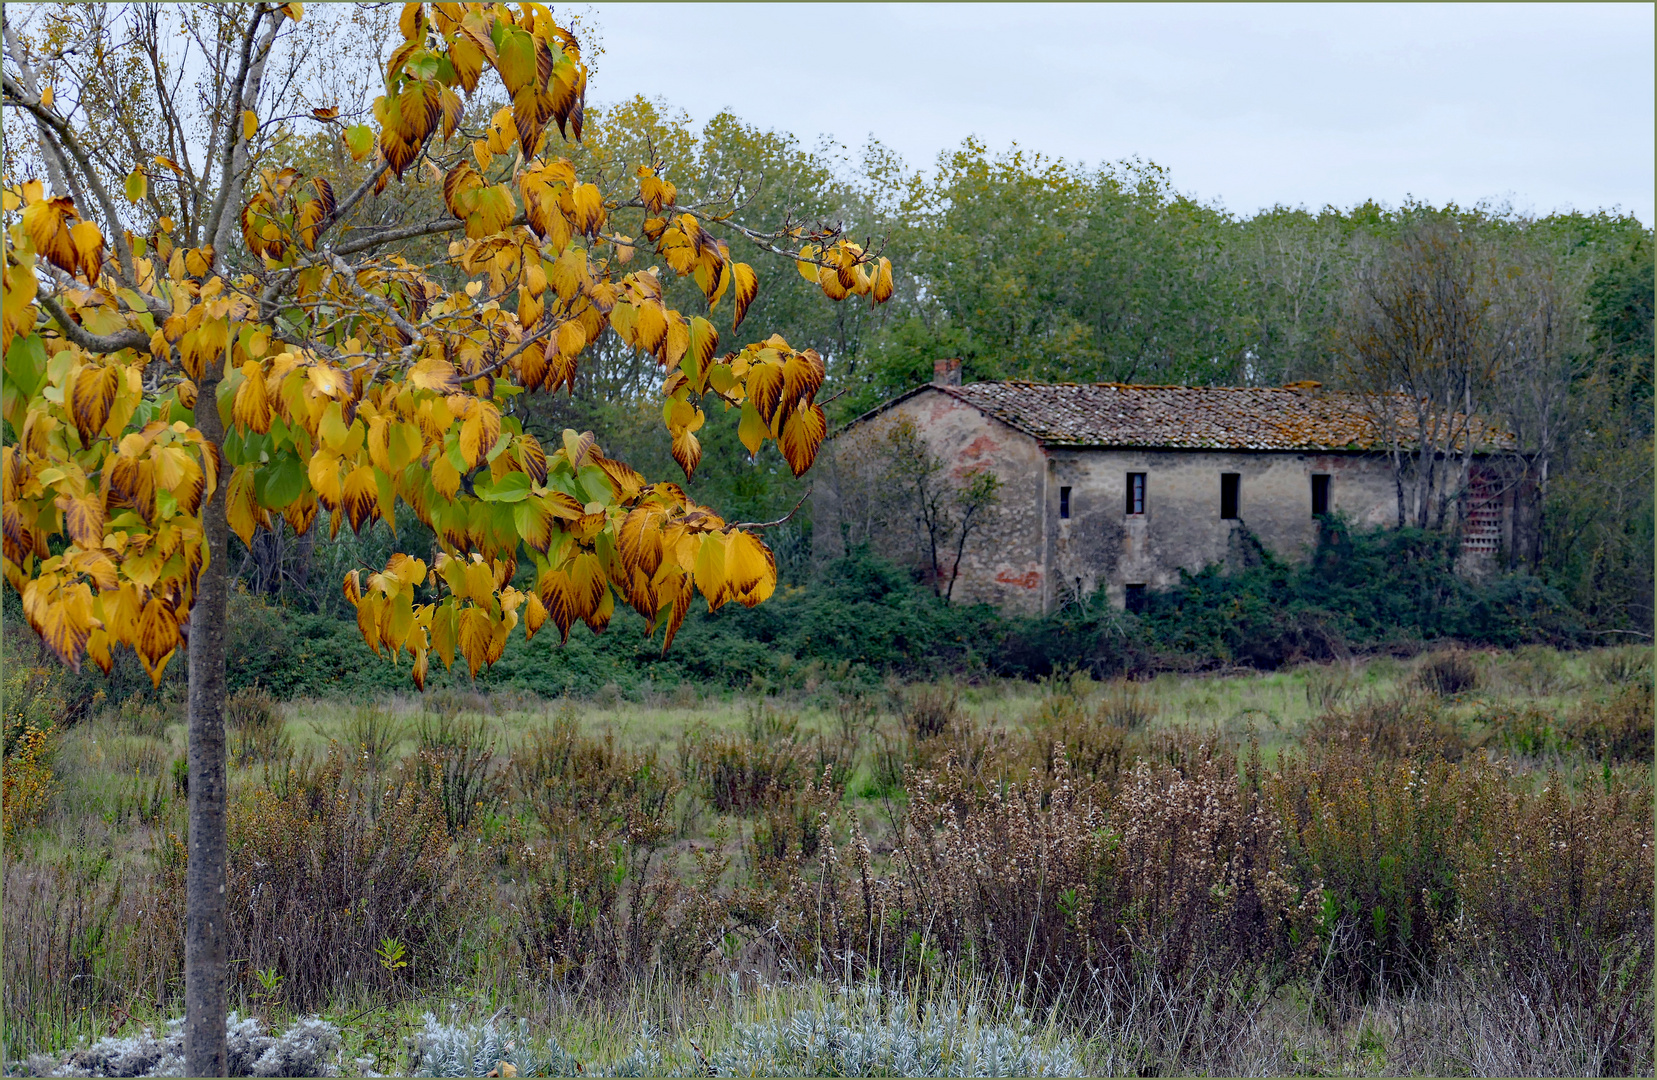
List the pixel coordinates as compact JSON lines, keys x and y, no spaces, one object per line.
{"x":205,"y":989}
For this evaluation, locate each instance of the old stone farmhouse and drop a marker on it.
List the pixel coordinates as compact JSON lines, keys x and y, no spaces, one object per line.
{"x":1114,"y":486}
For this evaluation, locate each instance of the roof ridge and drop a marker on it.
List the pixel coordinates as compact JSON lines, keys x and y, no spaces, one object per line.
{"x":1143,"y":386}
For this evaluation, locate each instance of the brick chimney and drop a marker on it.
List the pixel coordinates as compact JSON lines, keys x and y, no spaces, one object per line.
{"x":946,"y":372}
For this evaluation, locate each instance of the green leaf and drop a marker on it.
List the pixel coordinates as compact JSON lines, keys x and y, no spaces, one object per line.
{"x":513,"y":487}
{"x":517,"y":59}
{"x":26,"y":363}
{"x":424,"y":65}
{"x":57,"y":368}
{"x":136,"y":185}
{"x":596,"y":483}
{"x":279,"y":434}
{"x":359,"y":139}
{"x":280,"y":483}
{"x":234,"y":445}
{"x":388,"y":498}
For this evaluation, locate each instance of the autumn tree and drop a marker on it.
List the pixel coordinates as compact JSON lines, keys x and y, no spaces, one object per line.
{"x":1423,"y":346}
{"x":201,"y":338}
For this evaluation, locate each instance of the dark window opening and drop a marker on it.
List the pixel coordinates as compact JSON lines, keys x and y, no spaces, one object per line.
{"x":1230,"y":483}
{"x":1064,"y":502}
{"x":1136,"y":598}
{"x":1136,"y":493}
{"x":1320,"y":494}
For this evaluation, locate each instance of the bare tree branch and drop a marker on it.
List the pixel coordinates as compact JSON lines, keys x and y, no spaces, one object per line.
{"x":772,"y":524}
{"x":57,"y":132}
{"x":131,"y":338}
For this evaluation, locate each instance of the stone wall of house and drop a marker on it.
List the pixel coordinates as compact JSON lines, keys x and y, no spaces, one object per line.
{"x":856,"y":498}
{"x":1102,"y":545}
{"x":1028,"y":558}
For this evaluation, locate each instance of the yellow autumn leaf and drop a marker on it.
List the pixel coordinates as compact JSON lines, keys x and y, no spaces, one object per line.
{"x":241,"y":509}
{"x":710,"y":570}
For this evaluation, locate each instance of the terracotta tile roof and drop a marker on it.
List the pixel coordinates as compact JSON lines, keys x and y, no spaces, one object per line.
{"x":1188,"y":417}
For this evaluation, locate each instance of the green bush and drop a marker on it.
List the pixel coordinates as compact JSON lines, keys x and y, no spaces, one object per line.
{"x":862,"y":619}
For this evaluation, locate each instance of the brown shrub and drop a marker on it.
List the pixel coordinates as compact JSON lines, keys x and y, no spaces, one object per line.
{"x":1619,"y":667}
{"x":143,"y":716}
{"x":1124,"y":704}
{"x":1099,"y":743}
{"x":256,"y":726}
{"x":455,"y":758}
{"x":930,"y":711}
{"x":1619,"y":729}
{"x":1326,"y":687}
{"x":1406,"y":726}
{"x":319,"y":879}
{"x":1557,"y":893}
{"x":602,"y":902}
{"x":373,"y":730}
{"x":1384,"y":835}
{"x":1536,"y":670}
{"x":738,"y":774}
{"x":84,"y":933}
{"x":1180,"y":879}
{"x":1447,"y":673}
{"x":1524,"y":731}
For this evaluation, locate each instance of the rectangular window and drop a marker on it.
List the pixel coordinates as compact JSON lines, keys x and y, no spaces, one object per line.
{"x":1136,"y":598}
{"x":1136,"y":493}
{"x":1230,"y":483}
{"x":1320,"y":494}
{"x":1064,"y":502}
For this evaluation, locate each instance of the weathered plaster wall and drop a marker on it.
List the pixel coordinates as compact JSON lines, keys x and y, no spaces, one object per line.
{"x":853,"y":502}
{"x":1101,"y":545}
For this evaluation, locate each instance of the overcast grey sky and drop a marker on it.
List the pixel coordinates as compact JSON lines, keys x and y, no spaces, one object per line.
{"x":1547,"y":106}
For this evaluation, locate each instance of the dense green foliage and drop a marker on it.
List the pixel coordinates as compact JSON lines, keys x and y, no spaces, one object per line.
{"x":1359,"y":591}
{"x":862,"y":619}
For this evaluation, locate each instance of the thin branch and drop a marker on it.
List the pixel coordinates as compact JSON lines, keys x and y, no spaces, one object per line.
{"x":56,"y":167}
{"x":130,"y":338}
{"x":379,"y":303}
{"x":771,"y":524}
{"x":355,"y":197}
{"x":409,"y":232}
{"x":231,"y":119}
{"x":57,"y":131}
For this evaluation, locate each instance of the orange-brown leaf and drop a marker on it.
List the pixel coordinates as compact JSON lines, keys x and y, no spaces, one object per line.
{"x":765,"y":386}
{"x":687,"y":451}
{"x":802,"y":433}
{"x":474,"y":637}
{"x":555,"y":592}
{"x":747,"y":287}
{"x":361,"y":497}
{"x":157,"y":632}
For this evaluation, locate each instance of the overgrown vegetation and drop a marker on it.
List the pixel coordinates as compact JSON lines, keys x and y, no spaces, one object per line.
{"x":861,"y":620}
{"x":1436,"y":865}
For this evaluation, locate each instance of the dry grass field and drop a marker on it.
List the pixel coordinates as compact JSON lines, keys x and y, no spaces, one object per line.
{"x":1437,"y":865}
